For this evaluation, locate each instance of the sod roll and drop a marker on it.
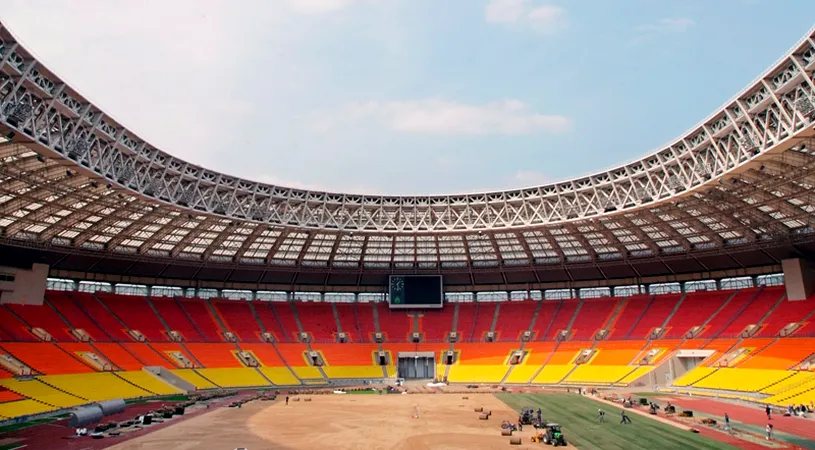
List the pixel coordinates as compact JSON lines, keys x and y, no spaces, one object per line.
{"x":506,"y":432}
{"x":515,"y":441}
{"x":479,"y":409}
{"x":483,"y":416}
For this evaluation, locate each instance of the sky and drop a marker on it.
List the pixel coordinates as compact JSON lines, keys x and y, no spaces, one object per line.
{"x":408,"y":96}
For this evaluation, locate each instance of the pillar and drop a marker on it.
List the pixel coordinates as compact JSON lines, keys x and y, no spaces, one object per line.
{"x":798,"y":278}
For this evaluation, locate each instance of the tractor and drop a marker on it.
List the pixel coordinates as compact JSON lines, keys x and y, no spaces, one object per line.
{"x":551,"y":435}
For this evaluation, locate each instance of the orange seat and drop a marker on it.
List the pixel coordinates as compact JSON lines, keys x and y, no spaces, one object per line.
{"x":46,"y":358}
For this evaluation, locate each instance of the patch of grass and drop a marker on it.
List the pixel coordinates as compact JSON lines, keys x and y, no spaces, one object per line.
{"x":24,"y":425}
{"x":365,"y":392}
{"x":578,"y":417}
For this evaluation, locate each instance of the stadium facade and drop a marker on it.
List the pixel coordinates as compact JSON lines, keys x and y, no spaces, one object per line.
{"x":87,"y":207}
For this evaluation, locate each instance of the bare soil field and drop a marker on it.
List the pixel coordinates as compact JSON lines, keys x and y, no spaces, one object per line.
{"x":345,"y":422}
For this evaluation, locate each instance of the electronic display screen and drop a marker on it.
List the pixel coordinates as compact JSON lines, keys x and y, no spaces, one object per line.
{"x":415,"y":291}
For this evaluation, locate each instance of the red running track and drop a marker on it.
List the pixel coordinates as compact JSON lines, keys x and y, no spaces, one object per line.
{"x":751,"y":416}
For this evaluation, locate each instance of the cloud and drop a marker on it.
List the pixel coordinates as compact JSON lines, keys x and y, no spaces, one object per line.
{"x":435,"y":116}
{"x":667,"y":26}
{"x":527,"y":178}
{"x":323,"y":6}
{"x":544,"y":18}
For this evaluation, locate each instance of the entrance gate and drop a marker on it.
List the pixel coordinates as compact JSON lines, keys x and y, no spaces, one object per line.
{"x":416,"y":365}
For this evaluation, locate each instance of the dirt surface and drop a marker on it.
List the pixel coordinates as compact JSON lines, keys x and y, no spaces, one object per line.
{"x":345,"y":422}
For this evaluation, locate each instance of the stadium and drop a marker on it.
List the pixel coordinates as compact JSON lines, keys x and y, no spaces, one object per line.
{"x":134,"y":283}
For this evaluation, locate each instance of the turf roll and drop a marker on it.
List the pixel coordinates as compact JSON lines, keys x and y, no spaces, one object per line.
{"x":515,"y":441}
{"x":483,"y":416}
{"x":506,"y":432}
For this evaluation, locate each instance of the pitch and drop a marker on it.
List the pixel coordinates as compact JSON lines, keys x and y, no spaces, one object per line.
{"x":411,"y":422}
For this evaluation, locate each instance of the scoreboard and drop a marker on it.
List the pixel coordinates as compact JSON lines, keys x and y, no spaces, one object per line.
{"x":415,"y":291}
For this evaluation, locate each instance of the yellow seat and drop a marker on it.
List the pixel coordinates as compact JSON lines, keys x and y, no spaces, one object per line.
{"x":192,"y":377}
{"x":308,"y":372}
{"x":150,"y":382}
{"x":522,"y":373}
{"x":591,"y":374}
{"x":41,"y":392}
{"x":234,"y":377}
{"x":693,"y":375}
{"x":95,"y":386}
{"x":346,"y":372}
{"x":280,"y":376}
{"x":553,"y":373}
{"x":747,"y":380}
{"x":636,"y":375}
{"x":476,"y":373}
{"x":25,"y":407}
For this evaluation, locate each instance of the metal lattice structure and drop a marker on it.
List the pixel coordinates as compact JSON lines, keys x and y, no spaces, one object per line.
{"x":71,"y":177}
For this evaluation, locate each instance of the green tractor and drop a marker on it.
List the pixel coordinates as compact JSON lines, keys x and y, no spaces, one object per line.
{"x":552,"y":435}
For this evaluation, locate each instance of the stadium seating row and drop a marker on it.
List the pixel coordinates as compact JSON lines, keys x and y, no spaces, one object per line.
{"x":598,"y":342}
{"x":107,"y":317}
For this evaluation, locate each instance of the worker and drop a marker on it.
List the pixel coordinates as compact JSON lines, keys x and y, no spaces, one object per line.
{"x":726,"y":422}
{"x":539,"y":416}
{"x":602,"y":415}
{"x":769,"y":412}
{"x":769,"y":431}
{"x":624,"y":418}
{"x":287,"y":400}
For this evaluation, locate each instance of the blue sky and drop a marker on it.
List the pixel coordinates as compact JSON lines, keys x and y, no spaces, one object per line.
{"x":409,"y":96}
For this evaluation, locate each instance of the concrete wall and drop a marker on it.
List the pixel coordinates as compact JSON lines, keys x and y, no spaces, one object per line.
{"x":28,"y":286}
{"x":799,"y":278}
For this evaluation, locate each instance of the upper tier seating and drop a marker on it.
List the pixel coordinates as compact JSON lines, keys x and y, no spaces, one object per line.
{"x":720,"y":321}
{"x":397,"y":324}
{"x":763,"y":303}
{"x":238,"y":319}
{"x":200,"y":315}
{"x":101,"y":316}
{"x":14,"y":328}
{"x":317,"y":319}
{"x":287,"y":320}
{"x":548,"y":309}
{"x":466,"y":321}
{"x":44,"y":317}
{"x":630,"y":314}
{"x":347,"y":315}
{"x":785,"y":313}
{"x":560,"y":322}
{"x":215,"y":355}
{"x":514,"y":318}
{"x":45,"y":357}
{"x":592,"y":317}
{"x":365,"y":319}
{"x":76,"y":316}
{"x":271,"y":324}
{"x":435,"y":324}
{"x":135,"y":312}
{"x":654,"y":316}
{"x":176,"y":318}
{"x":484,"y":316}
{"x":695,"y":310}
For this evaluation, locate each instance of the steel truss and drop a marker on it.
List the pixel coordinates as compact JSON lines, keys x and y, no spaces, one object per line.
{"x":70,"y":176}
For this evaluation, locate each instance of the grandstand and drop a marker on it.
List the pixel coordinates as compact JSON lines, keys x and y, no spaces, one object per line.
{"x":128,"y":273}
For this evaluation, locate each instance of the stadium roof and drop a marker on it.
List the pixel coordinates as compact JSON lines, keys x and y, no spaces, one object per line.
{"x":73,"y":181}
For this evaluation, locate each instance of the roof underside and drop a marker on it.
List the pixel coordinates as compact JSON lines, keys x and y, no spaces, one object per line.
{"x":75,"y":182}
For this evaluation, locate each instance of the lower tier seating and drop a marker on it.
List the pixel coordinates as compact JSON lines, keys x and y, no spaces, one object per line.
{"x":95,"y":386}
{"x":476,"y":373}
{"x":591,"y":374}
{"x":234,"y":377}
{"x":149,"y":383}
